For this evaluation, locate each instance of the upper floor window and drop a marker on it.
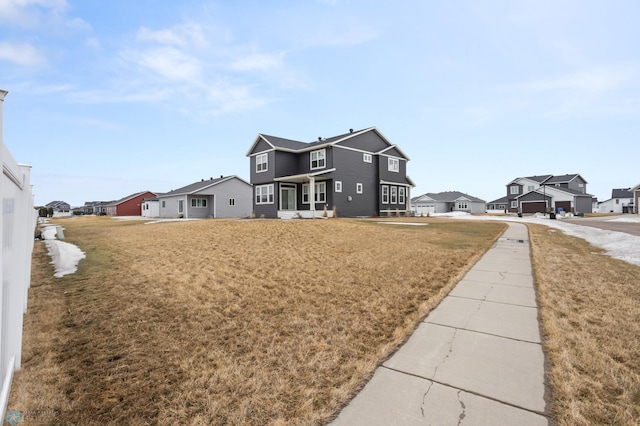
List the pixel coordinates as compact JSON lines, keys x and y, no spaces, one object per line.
{"x":515,"y":189}
{"x":198,"y":202}
{"x":394,"y":165}
{"x":366,"y":158}
{"x":264,"y":194}
{"x":318,"y":159}
{"x":530,"y":188}
{"x":262,"y":162}
{"x":462,"y":205}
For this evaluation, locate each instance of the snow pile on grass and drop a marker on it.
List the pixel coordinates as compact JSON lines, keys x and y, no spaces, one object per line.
{"x":64,"y":256}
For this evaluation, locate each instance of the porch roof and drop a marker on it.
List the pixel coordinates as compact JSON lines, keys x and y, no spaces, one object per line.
{"x":302,"y":177}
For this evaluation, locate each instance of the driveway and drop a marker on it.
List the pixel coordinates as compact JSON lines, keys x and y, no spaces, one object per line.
{"x":610,"y":223}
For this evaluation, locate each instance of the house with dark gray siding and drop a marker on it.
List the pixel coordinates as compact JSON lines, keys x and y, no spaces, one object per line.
{"x":549,"y":193}
{"x":360,"y":173}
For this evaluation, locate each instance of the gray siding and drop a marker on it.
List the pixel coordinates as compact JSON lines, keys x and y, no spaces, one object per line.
{"x":217,"y":197}
{"x":369,"y":141}
{"x":582,"y":205}
{"x":261,"y":146}
{"x":265,"y":176}
{"x":386,"y":175}
{"x":351,"y":170}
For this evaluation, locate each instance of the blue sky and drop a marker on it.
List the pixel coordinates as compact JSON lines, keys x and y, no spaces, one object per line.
{"x":107,"y":98}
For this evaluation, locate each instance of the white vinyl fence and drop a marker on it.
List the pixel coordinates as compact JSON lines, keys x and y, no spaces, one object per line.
{"x":17,"y":224}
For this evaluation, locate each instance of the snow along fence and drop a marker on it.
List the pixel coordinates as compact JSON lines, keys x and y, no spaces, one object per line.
{"x":17,"y":225}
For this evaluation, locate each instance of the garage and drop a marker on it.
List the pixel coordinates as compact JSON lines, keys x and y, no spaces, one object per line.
{"x":564,"y":205}
{"x":533,"y":207}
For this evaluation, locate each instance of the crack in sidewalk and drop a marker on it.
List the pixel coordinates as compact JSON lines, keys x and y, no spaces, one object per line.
{"x":464,"y":409}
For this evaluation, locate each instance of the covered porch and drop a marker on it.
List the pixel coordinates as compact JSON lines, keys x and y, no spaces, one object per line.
{"x":304,"y":196}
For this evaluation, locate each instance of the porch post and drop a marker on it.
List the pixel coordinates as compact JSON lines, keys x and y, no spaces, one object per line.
{"x":186,"y":207}
{"x":408,"y":204}
{"x":312,"y":195}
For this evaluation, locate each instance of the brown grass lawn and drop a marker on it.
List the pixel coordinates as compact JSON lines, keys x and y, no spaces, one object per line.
{"x":229,"y":322}
{"x":590,"y":311}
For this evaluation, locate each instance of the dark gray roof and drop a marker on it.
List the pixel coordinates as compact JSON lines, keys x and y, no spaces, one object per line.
{"x":198,"y":186}
{"x":297,"y":145}
{"x":539,"y":179}
{"x":451,"y":196}
{"x":562,"y":178}
{"x":621,"y":193}
{"x":501,"y":200}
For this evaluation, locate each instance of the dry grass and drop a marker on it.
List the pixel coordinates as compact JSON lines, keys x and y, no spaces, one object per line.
{"x":229,"y":322}
{"x":590,"y":310}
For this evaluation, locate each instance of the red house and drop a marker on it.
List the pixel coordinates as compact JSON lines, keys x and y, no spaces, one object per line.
{"x":128,"y":206}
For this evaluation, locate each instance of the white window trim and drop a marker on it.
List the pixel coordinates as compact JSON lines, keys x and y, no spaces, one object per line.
{"x":320,"y":193}
{"x":269,"y":194}
{"x":323,"y":159}
{"x":393,"y":165}
{"x":358,"y":188}
{"x":201,"y":201}
{"x":367,"y":158}
{"x":401,"y":199}
{"x":385,"y":194}
{"x":514,"y":204}
{"x":514,"y":189}
{"x":394,"y":195}
{"x":338,"y":186}
{"x":259,"y":161}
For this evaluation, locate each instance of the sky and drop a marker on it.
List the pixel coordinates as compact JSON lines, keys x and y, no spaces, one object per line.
{"x":109,"y":98}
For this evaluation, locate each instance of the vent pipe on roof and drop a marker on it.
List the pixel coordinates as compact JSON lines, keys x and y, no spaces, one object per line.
{"x":350,"y":130}
{"x":221,"y":176}
{"x":319,"y":138}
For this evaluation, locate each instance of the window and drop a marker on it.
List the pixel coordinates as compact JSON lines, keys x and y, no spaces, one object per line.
{"x":514,"y":204}
{"x":338,"y":186}
{"x":232,"y":201}
{"x":358,"y":188}
{"x":462,"y":205}
{"x":198,"y":202}
{"x":530,"y":188}
{"x":262,"y":162}
{"x":617,"y":201}
{"x":163,"y":204}
{"x":366,"y":158}
{"x":385,"y":194}
{"x":320,"y":195}
{"x":394,"y":195}
{"x":180,"y":206}
{"x":514,"y":189}
{"x":264,"y":194}
{"x":318,"y":159}
{"x":401,"y":195}
{"x":394,"y":165}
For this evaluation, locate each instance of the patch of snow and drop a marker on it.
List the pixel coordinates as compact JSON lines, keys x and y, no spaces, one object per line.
{"x":618,"y":245}
{"x":64,"y":256}
{"x":630,"y":219}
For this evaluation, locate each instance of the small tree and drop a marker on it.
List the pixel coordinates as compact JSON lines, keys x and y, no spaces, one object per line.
{"x":50,"y":212}
{"x":335,"y":211}
{"x":324,"y":211}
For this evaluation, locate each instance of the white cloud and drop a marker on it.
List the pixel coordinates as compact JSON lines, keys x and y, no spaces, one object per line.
{"x":258,"y":62}
{"x":21,"y":54}
{"x":180,"y":35}
{"x":170,"y":63}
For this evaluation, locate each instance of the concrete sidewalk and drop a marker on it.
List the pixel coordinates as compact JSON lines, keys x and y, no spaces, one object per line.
{"x":476,"y":359}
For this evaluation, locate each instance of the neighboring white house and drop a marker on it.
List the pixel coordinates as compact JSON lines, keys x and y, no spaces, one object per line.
{"x":227,"y":196}
{"x":621,"y":201}
{"x":151,"y":207}
{"x":447,"y":201}
{"x":636,"y":198}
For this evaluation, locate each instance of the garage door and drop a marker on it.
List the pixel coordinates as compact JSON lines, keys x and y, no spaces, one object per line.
{"x":564,"y":205}
{"x":533,"y":207}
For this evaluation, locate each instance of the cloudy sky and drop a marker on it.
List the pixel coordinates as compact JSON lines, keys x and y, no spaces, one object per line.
{"x":107,"y":98}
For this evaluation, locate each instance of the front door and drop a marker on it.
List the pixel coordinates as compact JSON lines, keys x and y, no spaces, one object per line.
{"x":287,"y":196}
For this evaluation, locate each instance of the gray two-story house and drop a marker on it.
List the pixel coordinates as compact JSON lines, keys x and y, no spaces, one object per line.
{"x":549,"y":193}
{"x":359,"y":173}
